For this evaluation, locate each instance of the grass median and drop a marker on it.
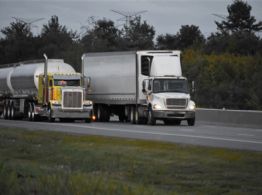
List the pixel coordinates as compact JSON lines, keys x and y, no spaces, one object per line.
{"x":43,"y":162}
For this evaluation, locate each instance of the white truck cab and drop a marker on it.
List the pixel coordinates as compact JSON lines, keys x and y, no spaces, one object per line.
{"x":168,"y":99}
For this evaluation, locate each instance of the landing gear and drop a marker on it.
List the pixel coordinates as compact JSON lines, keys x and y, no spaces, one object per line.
{"x":102,"y":113}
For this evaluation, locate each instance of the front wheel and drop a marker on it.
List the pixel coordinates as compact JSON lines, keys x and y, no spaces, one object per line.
{"x":50,"y":115}
{"x":151,"y":120}
{"x":191,"y":121}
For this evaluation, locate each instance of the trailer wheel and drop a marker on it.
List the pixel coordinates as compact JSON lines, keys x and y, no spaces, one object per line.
{"x":151,"y":120}
{"x":132,"y":115}
{"x":12,"y":111}
{"x":98,"y":113}
{"x":29,"y":116}
{"x":50,"y":115}
{"x":8,"y":111}
{"x":5,"y":111}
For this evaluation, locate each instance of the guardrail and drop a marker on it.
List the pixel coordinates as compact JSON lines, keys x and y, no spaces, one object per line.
{"x":234,"y":117}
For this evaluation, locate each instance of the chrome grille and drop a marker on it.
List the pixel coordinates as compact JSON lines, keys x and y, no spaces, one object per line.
{"x":72,"y":99}
{"x":176,"y":103}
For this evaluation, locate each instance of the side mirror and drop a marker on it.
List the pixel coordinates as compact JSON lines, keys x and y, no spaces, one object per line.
{"x":146,"y":87}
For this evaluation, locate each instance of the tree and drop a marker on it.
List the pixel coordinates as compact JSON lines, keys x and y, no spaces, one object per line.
{"x":138,"y":35}
{"x":239,"y":43}
{"x":103,"y":37}
{"x":167,"y":41}
{"x":55,"y":38}
{"x":188,"y":36}
{"x":239,"y":19}
{"x":17,"y":44}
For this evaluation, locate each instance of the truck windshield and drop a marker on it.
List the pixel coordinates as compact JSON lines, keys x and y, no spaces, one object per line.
{"x":170,"y":85}
{"x":67,"y":82}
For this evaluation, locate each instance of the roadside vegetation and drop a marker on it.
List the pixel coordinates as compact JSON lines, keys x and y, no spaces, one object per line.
{"x":56,"y":163}
{"x":226,"y":66}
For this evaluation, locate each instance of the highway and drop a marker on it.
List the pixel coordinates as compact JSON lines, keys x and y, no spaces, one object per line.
{"x":204,"y":134}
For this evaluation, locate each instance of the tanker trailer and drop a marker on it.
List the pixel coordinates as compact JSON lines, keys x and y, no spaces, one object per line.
{"x":46,"y":88}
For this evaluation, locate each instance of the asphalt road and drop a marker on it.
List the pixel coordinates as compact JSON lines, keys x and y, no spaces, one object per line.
{"x":204,"y":134}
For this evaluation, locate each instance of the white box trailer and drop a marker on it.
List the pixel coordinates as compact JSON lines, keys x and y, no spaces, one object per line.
{"x":139,"y":86}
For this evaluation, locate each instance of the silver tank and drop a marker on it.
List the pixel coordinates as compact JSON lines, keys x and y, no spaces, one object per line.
{"x":22,"y":80}
{"x":5,"y":84}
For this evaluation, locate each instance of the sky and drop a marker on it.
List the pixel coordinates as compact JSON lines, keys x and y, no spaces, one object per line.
{"x":166,"y":16}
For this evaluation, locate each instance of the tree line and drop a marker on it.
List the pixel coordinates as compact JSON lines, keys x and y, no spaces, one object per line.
{"x":226,"y":66}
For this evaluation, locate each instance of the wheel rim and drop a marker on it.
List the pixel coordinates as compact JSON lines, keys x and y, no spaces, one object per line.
{"x":132,"y":115}
{"x":136,"y":116}
{"x":29,"y":116}
{"x":5,"y":112}
{"x":98,"y":114}
{"x":149,"y":116}
{"x":32,"y":112}
{"x":8,"y":112}
{"x":12,"y":114}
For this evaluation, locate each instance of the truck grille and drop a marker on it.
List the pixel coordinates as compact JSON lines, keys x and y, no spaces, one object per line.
{"x":72,"y":99}
{"x":176,"y":103}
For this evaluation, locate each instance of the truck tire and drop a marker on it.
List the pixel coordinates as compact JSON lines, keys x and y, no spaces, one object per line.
{"x":12,"y":112}
{"x":191,"y":121}
{"x":5,"y":111}
{"x":106,"y":114}
{"x":29,"y":111}
{"x":132,"y":115}
{"x":121,"y":117}
{"x":138,"y":119}
{"x":50,"y":115}
{"x":32,"y":111}
{"x":98,"y":113}
{"x":150,"y":117}
{"x":8,"y":111}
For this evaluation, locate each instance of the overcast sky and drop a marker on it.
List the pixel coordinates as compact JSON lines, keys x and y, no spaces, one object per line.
{"x":166,"y":16}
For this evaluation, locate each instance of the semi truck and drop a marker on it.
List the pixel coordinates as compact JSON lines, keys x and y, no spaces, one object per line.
{"x":139,"y":86}
{"x":47,"y":88}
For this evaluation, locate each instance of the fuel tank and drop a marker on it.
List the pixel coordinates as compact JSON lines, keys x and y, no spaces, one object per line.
{"x":22,"y":78}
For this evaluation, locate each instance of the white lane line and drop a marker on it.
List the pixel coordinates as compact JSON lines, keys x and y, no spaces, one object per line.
{"x":164,"y":134}
{"x":151,"y":133}
{"x":245,"y":135}
{"x":187,"y":130}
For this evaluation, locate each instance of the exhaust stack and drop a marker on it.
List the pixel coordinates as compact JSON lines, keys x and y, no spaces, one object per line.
{"x":45,"y":94}
{"x":83,"y":71}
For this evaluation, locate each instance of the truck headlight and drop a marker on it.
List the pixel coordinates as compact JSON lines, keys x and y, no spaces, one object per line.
{"x":56,"y":103}
{"x":88,"y":103}
{"x":192,"y":105}
{"x":157,"y":107}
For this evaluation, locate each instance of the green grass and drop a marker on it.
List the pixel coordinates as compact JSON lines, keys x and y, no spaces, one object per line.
{"x":55,"y":163}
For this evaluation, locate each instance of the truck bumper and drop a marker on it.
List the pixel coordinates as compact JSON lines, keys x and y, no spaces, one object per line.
{"x":173,"y":114}
{"x":73,"y":114}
